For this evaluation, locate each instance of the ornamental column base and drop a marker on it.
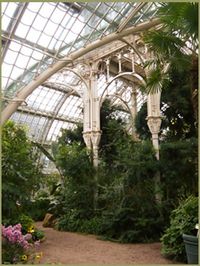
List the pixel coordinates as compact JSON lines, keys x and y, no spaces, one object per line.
{"x":154,"y":123}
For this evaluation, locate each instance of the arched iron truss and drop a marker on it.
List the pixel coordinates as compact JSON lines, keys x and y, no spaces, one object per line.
{"x":51,"y":74}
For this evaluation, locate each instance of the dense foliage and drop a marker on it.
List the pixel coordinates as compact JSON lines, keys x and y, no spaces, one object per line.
{"x":179,"y":84}
{"x":125,"y":176}
{"x":182,"y":221}
{"x":20,"y":173}
{"x":178,"y":167}
{"x":112,"y":207}
{"x":178,"y":121}
{"x":21,"y":177}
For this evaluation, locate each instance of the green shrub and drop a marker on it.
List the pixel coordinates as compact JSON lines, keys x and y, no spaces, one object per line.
{"x":28,"y":227}
{"x":39,"y":208}
{"x":92,"y":226}
{"x":37,"y":235}
{"x":181,"y":180}
{"x":130,"y":225}
{"x":182,"y":220}
{"x":71,"y":221}
{"x":20,"y":173}
{"x":26,"y":222}
{"x":45,"y":197}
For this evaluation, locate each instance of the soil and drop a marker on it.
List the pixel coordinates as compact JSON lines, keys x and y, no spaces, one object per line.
{"x":75,"y":248}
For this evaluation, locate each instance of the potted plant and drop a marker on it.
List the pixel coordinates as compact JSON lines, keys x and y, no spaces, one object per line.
{"x":182,"y":223}
{"x":191,"y":246}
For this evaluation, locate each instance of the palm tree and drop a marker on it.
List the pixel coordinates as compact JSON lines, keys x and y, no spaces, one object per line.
{"x":174,"y":44}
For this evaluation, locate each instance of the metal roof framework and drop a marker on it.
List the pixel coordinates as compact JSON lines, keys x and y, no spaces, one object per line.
{"x":44,"y":45}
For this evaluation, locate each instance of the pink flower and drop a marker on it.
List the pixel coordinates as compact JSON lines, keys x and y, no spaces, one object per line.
{"x":27,"y":237}
{"x":8,"y":232}
{"x":37,"y":243}
{"x":15,"y":236}
{"x":17,"y":227}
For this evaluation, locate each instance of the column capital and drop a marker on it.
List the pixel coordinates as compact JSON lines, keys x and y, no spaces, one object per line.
{"x":87,"y":139}
{"x":96,"y":137}
{"x":84,"y":70}
{"x":154,"y":123}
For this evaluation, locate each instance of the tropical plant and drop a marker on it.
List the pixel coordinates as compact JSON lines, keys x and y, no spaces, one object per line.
{"x":20,"y":173}
{"x":42,"y":199}
{"x":183,"y":220}
{"x":178,"y":121}
{"x":175,"y":45}
{"x":179,"y":170}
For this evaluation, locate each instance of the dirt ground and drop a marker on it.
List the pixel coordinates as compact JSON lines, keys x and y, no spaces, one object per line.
{"x":74,"y":248}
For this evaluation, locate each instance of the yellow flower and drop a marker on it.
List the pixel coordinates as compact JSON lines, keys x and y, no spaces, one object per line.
{"x":24,"y":257}
{"x":31,"y":229}
{"x":38,"y":255}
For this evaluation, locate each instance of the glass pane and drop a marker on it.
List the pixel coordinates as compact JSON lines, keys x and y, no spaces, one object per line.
{"x":44,"y":99}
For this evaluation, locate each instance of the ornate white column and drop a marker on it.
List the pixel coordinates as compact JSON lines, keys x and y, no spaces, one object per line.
{"x":95,"y":139}
{"x":95,"y":114}
{"x":87,"y":139}
{"x":154,"y":123}
{"x":154,"y":118}
{"x":91,"y":118}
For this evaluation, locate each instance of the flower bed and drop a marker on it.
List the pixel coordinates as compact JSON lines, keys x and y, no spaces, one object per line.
{"x":18,"y":248}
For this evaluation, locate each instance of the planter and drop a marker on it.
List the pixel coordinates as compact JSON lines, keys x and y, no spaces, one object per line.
{"x":191,"y":247}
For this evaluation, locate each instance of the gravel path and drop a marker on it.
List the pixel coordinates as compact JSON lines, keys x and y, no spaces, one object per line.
{"x":74,"y":248}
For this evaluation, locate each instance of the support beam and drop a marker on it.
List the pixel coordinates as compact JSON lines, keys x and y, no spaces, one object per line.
{"x":26,"y":110}
{"x":61,"y":88}
{"x":12,"y":27}
{"x":134,"y":11}
{"x":27,"y":90}
{"x":8,"y":38}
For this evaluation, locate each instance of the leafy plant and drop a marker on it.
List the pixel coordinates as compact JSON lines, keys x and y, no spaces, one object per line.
{"x":43,"y":199}
{"x":20,"y":173}
{"x":28,"y":227}
{"x":182,"y":220}
{"x":181,"y":180}
{"x":175,"y":45}
{"x":92,"y":226}
{"x":27,"y":223}
{"x":38,"y":235}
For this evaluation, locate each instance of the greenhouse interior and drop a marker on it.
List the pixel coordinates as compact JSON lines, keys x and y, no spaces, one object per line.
{"x":99,"y":116}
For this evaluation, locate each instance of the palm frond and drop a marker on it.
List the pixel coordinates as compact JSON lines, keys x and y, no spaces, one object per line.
{"x":182,"y":16}
{"x":157,"y":77}
{"x":155,"y":80}
{"x":163,"y":44}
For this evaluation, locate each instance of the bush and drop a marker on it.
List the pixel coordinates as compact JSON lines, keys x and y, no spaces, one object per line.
{"x":181,"y":180}
{"x":39,"y":207}
{"x":37,"y":235}
{"x":20,"y":173}
{"x":28,"y":227}
{"x":182,"y":220}
{"x":92,"y":226}
{"x":130,"y":225}
{"x":71,"y":221}
{"x":27,"y":223}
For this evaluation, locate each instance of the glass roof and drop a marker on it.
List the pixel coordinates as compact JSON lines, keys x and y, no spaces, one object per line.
{"x":35,"y":35}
